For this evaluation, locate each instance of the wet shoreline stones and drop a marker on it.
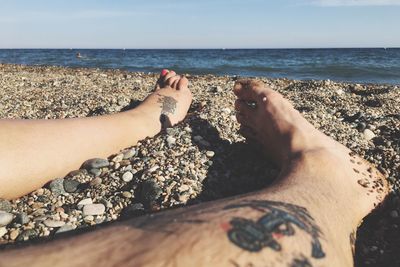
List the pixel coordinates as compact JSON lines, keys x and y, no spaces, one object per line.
{"x":203,"y":158}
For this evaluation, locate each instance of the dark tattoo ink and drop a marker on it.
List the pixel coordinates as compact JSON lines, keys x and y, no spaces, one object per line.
{"x":277,"y":221}
{"x":165,"y":122}
{"x":300,"y":262}
{"x":168,"y":104}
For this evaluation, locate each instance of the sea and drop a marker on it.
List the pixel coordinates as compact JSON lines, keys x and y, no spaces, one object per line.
{"x":363,"y":65}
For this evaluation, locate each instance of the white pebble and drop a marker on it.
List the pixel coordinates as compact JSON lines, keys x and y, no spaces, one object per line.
{"x":127,"y":177}
{"x":368,"y":134}
{"x":93,"y":209}
{"x":53,"y":223}
{"x":3,"y":231}
{"x":184,"y":187}
{"x":171,"y":141}
{"x":153,"y":169}
{"x":210,"y":154}
{"x":5,"y":218}
{"x":118,"y":158}
{"x":85,"y":201}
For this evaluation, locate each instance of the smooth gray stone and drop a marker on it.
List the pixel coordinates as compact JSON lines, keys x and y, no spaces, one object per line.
{"x":95,"y":172}
{"x":5,"y":205}
{"x":22,"y":218}
{"x":57,"y":187}
{"x":96,"y":163}
{"x":71,"y":186}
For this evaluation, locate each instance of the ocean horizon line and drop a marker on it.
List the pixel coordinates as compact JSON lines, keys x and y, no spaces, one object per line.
{"x":259,"y":48}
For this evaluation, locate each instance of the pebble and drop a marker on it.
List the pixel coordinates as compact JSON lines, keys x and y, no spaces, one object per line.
{"x":96,"y":163}
{"x":184,"y":187}
{"x":106,"y":203}
{"x":27,"y":234}
{"x":71,"y":186}
{"x":127,"y":194}
{"x":85,"y":201}
{"x":93,"y":209}
{"x":340,"y":92}
{"x":118,"y":158}
{"x":5,"y":205}
{"x":129,"y":153}
{"x":226,"y":110}
{"x":57,"y":187}
{"x":3,"y":231}
{"x":394,"y":214}
{"x":65,"y":228}
{"x":22,"y":218}
{"x":96,"y":181}
{"x":361,"y":126}
{"x":153,"y":169}
{"x":368,"y":134}
{"x":5,"y":218}
{"x":217,"y":89}
{"x":95,"y":172}
{"x":171,"y":141}
{"x":89,"y":218}
{"x":53,"y":223}
{"x":127,"y":177}
{"x":14,"y":234}
{"x":184,"y":198}
{"x":210,"y":154}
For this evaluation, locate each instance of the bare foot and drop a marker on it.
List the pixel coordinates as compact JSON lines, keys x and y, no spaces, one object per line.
{"x":270,"y":120}
{"x":168,"y":104}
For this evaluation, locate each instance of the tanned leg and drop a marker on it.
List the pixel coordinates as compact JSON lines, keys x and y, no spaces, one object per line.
{"x":52,"y":148}
{"x":305,"y":219}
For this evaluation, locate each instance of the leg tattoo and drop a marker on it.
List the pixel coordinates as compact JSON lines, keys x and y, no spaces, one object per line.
{"x":278,"y":220}
{"x":300,"y":262}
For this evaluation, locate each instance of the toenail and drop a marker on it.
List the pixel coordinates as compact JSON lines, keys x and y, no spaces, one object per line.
{"x":164,"y":72}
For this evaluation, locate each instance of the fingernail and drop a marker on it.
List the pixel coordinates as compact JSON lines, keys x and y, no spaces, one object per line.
{"x":164,"y":72}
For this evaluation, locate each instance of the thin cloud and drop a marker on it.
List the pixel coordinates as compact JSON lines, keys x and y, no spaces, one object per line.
{"x":355,"y":2}
{"x":47,"y":16}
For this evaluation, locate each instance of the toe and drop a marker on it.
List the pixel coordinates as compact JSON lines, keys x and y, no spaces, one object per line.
{"x":160,"y":81}
{"x":248,"y":89}
{"x":165,"y":78}
{"x":183,"y":83}
{"x":173,"y":81}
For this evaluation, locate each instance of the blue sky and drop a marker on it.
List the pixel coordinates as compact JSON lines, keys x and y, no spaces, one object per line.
{"x":199,"y":24}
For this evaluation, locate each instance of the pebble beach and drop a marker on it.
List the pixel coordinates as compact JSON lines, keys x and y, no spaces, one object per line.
{"x":204,"y":158}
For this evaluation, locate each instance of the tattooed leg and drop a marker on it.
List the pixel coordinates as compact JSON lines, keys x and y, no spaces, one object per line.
{"x":304,"y":219}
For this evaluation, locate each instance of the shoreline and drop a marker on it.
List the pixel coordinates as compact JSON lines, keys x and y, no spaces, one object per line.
{"x":393,"y":85}
{"x":197,"y":166}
